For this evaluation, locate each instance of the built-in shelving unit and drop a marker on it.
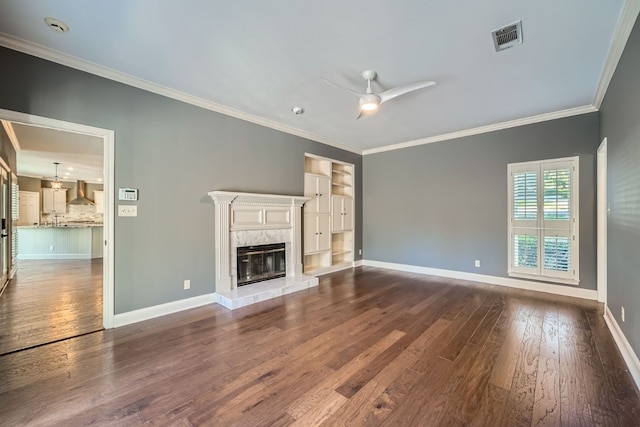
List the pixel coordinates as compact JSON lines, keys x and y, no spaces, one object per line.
{"x":328,"y":216}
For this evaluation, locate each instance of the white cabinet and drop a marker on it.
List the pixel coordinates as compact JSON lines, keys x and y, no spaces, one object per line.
{"x":54,"y":201}
{"x":319,"y":189}
{"x":341,"y":214}
{"x":317,"y":233}
{"x":98,"y":199}
{"x":328,"y":216}
{"x":29,"y":208}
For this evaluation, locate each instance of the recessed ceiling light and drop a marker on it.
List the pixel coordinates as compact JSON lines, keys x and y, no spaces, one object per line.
{"x":297,"y":110}
{"x":99,"y":180}
{"x":56,"y":25}
{"x":69,"y":168}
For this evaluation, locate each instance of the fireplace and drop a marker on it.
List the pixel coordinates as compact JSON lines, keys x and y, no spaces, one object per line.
{"x":251,"y":220}
{"x":260,"y":262}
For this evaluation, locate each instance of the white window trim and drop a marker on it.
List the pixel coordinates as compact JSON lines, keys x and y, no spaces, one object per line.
{"x":575,"y":242}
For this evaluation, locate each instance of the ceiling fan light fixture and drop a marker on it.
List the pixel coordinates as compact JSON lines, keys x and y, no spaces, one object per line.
{"x":369,"y":102}
{"x":369,"y":106}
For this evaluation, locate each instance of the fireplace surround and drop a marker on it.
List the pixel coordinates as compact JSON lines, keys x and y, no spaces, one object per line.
{"x":251,"y":219}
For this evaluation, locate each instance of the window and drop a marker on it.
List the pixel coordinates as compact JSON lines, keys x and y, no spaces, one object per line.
{"x":543,"y":220}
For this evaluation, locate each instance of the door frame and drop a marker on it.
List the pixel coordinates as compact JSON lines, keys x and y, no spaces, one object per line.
{"x":602,"y":215}
{"x":108,"y":137}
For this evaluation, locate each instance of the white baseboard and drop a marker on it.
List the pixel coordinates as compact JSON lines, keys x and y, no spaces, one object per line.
{"x":494,"y":280}
{"x":629,"y":356}
{"x":161,"y":310}
{"x":358,"y":263}
{"x":56,"y":256}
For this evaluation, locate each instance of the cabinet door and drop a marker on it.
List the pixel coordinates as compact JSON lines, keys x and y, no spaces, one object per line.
{"x":47,"y":200}
{"x":324,"y":232}
{"x":319,"y":189}
{"x":317,"y":233}
{"x":60,"y":201}
{"x":347,"y":214}
{"x":29,"y":210}
{"x":310,"y":233}
{"x":98,"y":198}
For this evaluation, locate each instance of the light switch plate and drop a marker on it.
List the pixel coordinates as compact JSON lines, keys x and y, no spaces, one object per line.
{"x":127,"y":210}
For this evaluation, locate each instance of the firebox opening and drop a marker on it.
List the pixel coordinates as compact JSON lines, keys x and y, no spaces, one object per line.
{"x":261,"y":262}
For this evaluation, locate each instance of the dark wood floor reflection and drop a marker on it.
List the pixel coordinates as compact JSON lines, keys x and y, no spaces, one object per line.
{"x":368,"y":347}
{"x":49,"y":300}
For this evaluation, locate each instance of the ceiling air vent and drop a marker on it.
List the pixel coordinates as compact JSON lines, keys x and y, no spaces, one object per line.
{"x":508,"y":36}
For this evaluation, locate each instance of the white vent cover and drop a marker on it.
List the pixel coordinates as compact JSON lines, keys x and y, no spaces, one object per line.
{"x":506,"y":37}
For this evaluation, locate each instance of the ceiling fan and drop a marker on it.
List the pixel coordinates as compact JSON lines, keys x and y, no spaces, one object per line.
{"x":370,"y":101}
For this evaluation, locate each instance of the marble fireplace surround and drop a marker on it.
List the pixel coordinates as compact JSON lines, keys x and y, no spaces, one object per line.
{"x":245,"y":219}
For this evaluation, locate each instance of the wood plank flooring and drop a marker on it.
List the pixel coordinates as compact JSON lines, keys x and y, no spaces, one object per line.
{"x":49,"y":300}
{"x":367,"y":347}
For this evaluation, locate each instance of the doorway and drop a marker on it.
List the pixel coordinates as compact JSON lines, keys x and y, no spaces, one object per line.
{"x":90,"y":268}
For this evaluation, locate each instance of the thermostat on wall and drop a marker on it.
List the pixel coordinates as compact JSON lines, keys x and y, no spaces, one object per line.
{"x":128,"y":194}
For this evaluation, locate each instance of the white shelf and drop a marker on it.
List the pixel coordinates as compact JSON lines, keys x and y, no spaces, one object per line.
{"x":334,"y":253}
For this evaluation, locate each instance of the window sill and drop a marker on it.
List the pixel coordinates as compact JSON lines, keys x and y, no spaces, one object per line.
{"x":545,"y":279}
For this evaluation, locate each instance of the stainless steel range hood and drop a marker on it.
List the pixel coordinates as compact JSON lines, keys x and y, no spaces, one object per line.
{"x":81,"y":199}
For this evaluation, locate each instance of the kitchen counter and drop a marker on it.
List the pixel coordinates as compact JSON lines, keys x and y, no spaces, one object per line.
{"x":67,"y":225}
{"x":64,"y":241}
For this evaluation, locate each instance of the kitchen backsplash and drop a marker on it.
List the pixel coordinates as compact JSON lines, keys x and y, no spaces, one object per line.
{"x":75,"y":213}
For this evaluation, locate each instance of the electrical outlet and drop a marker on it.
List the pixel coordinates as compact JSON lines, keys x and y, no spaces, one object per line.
{"x":187,"y":284}
{"x":477,"y":263}
{"x":127,"y":210}
{"x":359,"y":251}
{"x":622,"y":313}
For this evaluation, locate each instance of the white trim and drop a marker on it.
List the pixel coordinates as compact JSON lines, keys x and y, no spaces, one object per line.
{"x":484,"y":129}
{"x":108,"y":136}
{"x":332,"y":269}
{"x":493,"y":280}
{"x":601,"y":219}
{"x":11,"y":133}
{"x":40,"y":51}
{"x":358,"y":263}
{"x":628,"y":17}
{"x":629,"y":356}
{"x":152,"y":312}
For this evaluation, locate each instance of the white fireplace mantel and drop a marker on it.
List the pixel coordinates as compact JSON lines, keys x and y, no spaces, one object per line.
{"x":244,"y":219}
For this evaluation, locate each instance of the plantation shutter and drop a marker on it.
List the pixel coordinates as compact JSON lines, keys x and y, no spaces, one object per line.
{"x":542,"y":220}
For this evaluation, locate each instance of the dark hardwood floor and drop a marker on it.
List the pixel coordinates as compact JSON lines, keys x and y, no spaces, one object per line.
{"x":50,"y":300}
{"x":367,"y":347}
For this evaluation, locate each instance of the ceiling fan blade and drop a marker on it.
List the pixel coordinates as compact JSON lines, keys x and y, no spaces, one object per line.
{"x":337,"y":86}
{"x":401,"y":90}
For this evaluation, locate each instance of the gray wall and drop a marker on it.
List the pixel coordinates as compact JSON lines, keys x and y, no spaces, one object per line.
{"x":174,"y":153}
{"x":620,"y":121}
{"x":444,"y":205}
{"x":7,"y":152}
{"x":29,"y":184}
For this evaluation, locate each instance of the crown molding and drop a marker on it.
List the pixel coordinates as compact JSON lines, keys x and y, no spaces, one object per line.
{"x":484,"y":129}
{"x":628,"y":17}
{"x":43,"y":52}
{"x":11,"y":133}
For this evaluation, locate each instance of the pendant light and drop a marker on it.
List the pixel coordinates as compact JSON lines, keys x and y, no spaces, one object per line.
{"x":56,"y":184}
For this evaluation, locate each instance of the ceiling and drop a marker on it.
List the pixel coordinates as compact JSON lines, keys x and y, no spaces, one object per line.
{"x":256,"y":60}
{"x":80,"y":156}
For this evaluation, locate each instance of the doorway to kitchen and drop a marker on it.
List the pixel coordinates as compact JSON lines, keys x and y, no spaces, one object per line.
{"x":62,"y":285}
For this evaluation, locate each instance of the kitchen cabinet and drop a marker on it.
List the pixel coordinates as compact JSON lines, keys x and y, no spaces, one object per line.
{"x":98,"y":198}
{"x":54,"y":201}
{"x":28,"y":208}
{"x":341,"y":214}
